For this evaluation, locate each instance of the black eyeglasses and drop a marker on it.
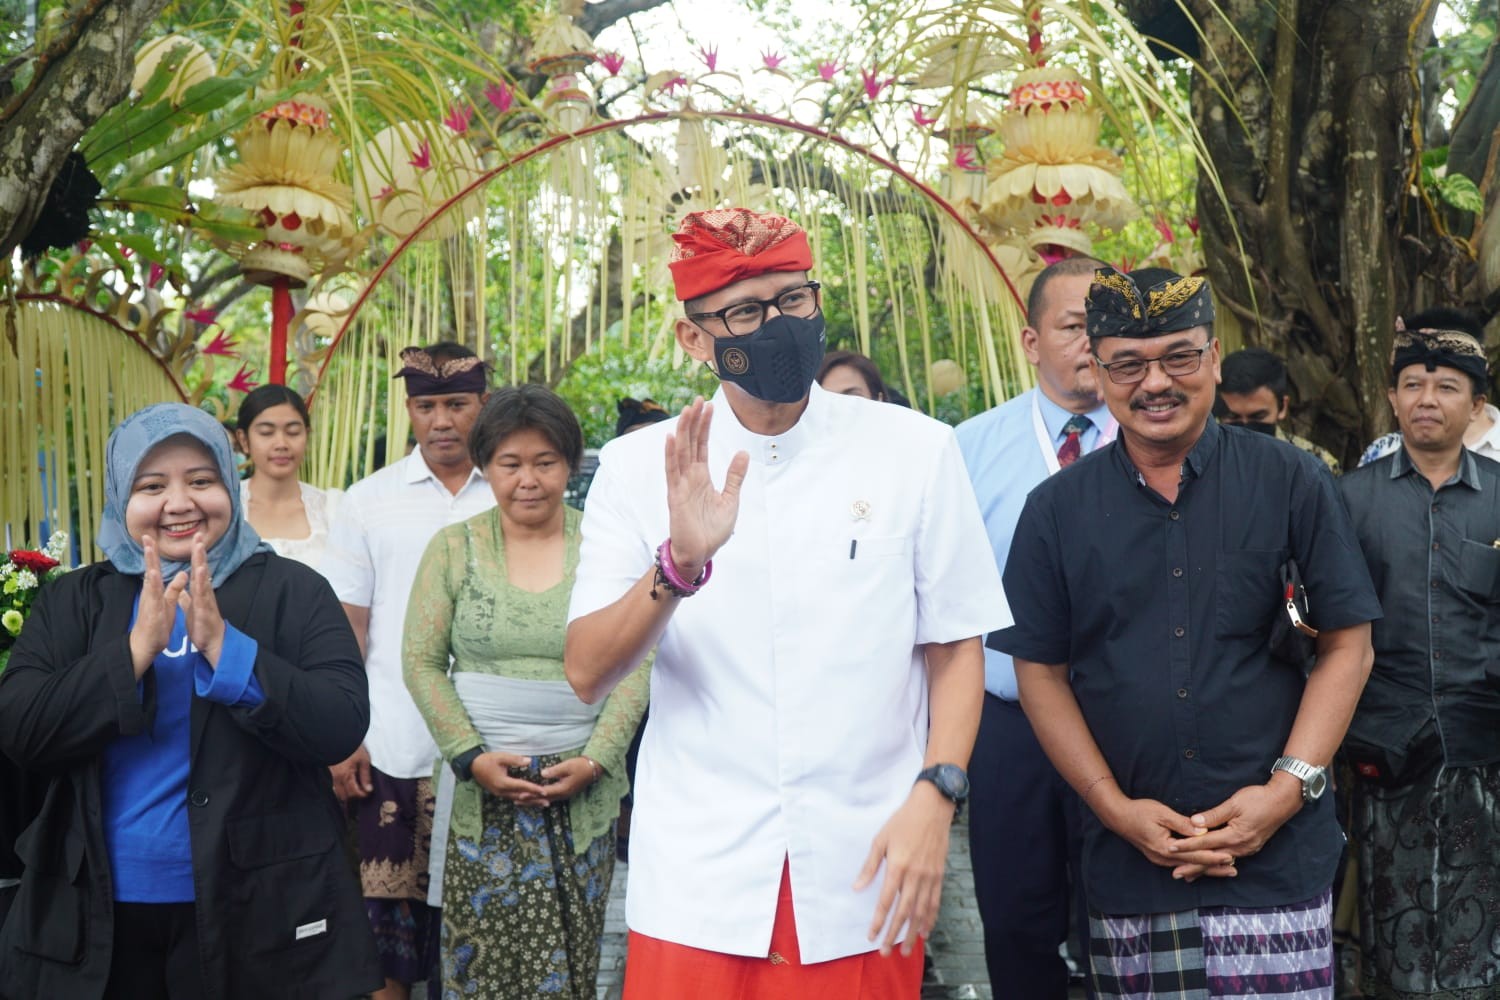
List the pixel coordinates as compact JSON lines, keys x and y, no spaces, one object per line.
{"x":741,"y":318}
{"x":1133,"y":370}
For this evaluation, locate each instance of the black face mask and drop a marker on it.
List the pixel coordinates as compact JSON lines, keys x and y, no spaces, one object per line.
{"x":1261,"y":428}
{"x":776,"y":363}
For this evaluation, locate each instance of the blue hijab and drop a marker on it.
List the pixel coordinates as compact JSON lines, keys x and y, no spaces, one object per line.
{"x":128,"y":445}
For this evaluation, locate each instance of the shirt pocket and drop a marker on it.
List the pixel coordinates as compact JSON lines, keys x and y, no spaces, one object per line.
{"x":1479,"y":570}
{"x":1248,"y":592}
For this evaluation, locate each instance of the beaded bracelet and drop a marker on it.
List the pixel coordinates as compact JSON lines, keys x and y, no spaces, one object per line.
{"x":595,"y":765}
{"x":670,"y":578}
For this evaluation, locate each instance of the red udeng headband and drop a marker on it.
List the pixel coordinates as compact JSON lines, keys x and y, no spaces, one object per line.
{"x":715,"y":249}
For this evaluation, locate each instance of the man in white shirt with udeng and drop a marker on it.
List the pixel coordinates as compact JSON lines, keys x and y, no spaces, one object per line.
{"x":813,"y":704}
{"x":384,"y":523}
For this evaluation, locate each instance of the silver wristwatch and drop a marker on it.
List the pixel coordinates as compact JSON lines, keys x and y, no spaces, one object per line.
{"x":1314,"y":779}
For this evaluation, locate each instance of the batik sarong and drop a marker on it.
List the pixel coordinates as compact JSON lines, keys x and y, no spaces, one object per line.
{"x":1215,"y":951}
{"x":1429,"y":879}
{"x":522,"y":913}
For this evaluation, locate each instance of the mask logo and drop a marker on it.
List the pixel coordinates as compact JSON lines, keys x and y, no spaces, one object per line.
{"x":735,"y":361}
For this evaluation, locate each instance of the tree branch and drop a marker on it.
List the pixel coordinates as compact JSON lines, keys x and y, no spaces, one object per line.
{"x":73,"y":87}
{"x":596,"y":17}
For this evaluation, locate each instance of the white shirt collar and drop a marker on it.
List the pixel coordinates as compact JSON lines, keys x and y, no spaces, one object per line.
{"x":417,"y":470}
{"x":779,"y":448}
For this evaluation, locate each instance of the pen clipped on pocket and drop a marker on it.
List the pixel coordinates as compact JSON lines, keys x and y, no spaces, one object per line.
{"x":1292,"y":636}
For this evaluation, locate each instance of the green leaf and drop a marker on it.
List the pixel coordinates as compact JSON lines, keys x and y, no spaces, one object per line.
{"x":1436,"y":157}
{"x":154,"y":198}
{"x":1462,"y":193}
{"x":228,"y":223}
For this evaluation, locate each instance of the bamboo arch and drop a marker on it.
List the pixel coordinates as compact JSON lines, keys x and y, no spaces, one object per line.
{"x":971,"y":286}
{"x":66,"y":383}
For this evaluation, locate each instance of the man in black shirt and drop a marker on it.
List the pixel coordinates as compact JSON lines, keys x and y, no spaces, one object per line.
{"x":1425,"y":741}
{"x":1142,"y":654}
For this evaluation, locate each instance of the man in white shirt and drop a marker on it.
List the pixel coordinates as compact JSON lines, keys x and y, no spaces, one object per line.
{"x":374,"y":546}
{"x":1025,"y":829}
{"x":812,"y":709}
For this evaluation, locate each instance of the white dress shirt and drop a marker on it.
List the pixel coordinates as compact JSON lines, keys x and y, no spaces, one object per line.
{"x":376,"y":542}
{"x":789,"y":710}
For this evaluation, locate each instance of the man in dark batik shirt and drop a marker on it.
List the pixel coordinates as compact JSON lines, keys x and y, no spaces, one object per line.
{"x":1425,"y":741}
{"x":1145,"y":582}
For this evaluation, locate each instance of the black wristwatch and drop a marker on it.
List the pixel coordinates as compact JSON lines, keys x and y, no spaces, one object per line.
{"x":463,"y":764}
{"x":950,"y":779}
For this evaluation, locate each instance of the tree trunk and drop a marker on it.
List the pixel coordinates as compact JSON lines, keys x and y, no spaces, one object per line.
{"x":77,"y":79}
{"x":1314,"y":151}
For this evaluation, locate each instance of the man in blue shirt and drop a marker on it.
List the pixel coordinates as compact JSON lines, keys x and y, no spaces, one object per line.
{"x":1024,"y":832}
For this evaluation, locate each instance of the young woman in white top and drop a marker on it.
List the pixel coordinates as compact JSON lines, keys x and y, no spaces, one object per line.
{"x":291,"y":515}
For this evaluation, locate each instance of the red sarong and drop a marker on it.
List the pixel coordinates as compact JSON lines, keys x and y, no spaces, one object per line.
{"x":661,"y":970}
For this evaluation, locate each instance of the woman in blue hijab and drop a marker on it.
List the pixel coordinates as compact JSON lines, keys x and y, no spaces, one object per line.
{"x":184,"y":699}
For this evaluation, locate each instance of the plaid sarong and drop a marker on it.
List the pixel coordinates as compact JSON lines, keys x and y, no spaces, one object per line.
{"x":1285,"y":952}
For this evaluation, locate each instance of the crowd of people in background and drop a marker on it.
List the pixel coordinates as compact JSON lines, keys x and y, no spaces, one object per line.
{"x":288,"y":741}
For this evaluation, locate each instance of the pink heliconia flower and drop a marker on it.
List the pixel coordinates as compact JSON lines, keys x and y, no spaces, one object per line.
{"x":873,"y":84}
{"x":222,"y":345}
{"x":671,"y":85}
{"x":1165,"y":229}
{"x":710,"y":57}
{"x":501,"y":95}
{"x":155,"y":274}
{"x":384,"y":193}
{"x":772,"y":60}
{"x":201,"y":315}
{"x":963,"y":158}
{"x":422,"y":158}
{"x":459,"y":117}
{"x":826,"y":70}
{"x":242,"y":382}
{"x":919,"y":114}
{"x":612,"y":61}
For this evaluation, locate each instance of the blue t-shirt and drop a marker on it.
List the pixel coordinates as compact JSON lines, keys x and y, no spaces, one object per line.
{"x":145,"y":776}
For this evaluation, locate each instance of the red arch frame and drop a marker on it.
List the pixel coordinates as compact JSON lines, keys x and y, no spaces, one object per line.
{"x":620,"y":124}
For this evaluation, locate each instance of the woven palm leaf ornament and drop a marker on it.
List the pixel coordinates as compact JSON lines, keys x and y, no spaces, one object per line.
{"x":1054,"y":181}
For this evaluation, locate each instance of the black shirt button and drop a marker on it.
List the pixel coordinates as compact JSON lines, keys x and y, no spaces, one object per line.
{"x":1176,"y":516}
{"x":1182,"y":692}
{"x":1189,"y":754}
{"x":1435,"y":619}
{"x":1434,"y":585}
{"x":198,"y":798}
{"x":1179,"y":631}
{"x":1176,"y":570}
{"x":1434,"y":546}
{"x":1437,"y":654}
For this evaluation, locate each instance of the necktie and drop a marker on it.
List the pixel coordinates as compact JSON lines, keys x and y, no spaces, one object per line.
{"x":1072,"y":445}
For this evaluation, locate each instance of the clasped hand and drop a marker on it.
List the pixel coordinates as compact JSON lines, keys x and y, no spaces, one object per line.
{"x":192,"y":591}
{"x":702,"y":518}
{"x":1209,"y":842}
{"x":560,"y":782}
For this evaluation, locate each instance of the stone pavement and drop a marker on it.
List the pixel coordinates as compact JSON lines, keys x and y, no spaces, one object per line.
{"x":957,"y":945}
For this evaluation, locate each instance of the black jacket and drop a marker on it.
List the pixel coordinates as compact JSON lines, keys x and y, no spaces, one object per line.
{"x":265,"y":828}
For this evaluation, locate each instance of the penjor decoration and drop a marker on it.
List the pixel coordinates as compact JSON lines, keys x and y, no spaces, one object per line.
{"x":1054,"y":180}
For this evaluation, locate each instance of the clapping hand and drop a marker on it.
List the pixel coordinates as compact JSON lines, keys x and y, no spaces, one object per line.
{"x":157,"y":611}
{"x":702,"y":517}
{"x":200,"y":608}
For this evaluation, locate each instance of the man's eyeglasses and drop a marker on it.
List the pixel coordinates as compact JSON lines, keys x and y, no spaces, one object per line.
{"x":741,"y":318}
{"x":1133,"y":370}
